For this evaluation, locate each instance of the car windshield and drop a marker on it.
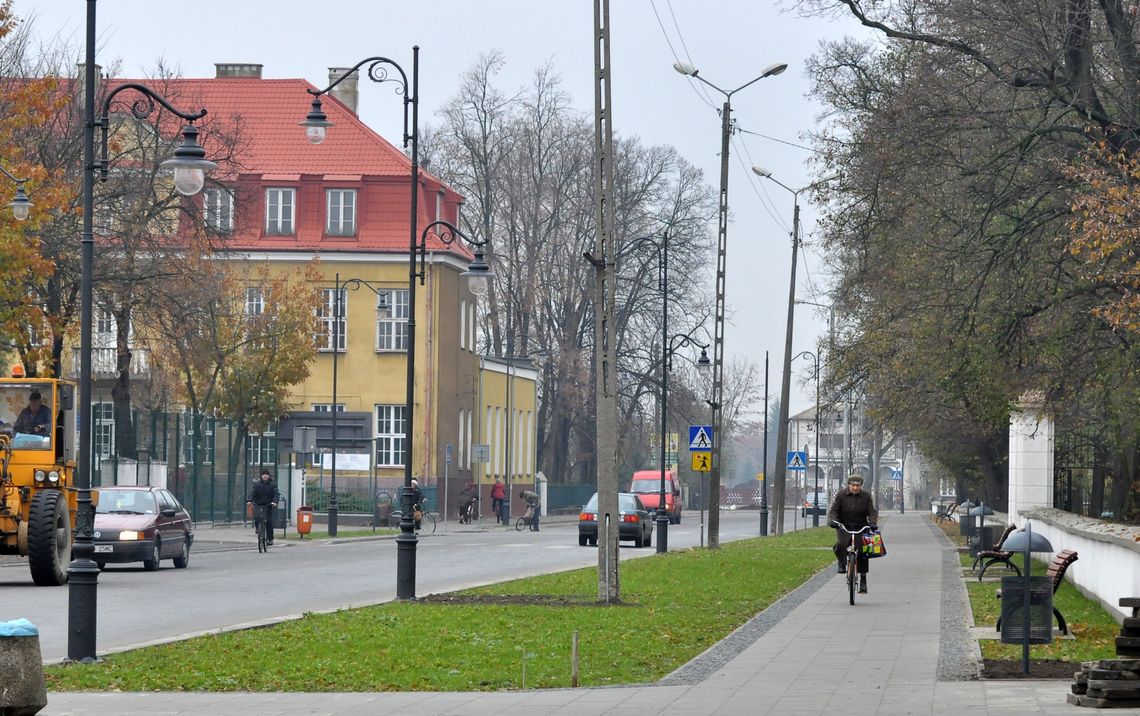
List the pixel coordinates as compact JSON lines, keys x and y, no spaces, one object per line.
{"x":626,"y":503}
{"x":26,"y":413}
{"x":653,"y":485}
{"x":125,"y":502}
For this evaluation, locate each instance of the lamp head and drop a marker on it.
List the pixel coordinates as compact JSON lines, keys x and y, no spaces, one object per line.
{"x":316,"y":122}
{"x":383,"y":309}
{"x":189,"y":163}
{"x":774,"y":69}
{"x":478,"y":275}
{"x":704,"y":365}
{"x":685,"y":68}
{"x":20,"y":204}
{"x":760,"y":171}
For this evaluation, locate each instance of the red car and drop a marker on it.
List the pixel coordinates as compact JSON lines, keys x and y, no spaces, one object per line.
{"x":647,"y":485}
{"x":141,"y":524}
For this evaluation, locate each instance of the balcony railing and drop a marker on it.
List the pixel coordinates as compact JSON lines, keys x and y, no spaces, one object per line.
{"x":104,"y":362}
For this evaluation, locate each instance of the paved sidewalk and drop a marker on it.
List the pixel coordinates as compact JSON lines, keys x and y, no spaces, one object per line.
{"x":823,"y":656}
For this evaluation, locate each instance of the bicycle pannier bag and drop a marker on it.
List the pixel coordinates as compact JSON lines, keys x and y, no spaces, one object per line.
{"x":417,"y":515}
{"x":873,"y":545}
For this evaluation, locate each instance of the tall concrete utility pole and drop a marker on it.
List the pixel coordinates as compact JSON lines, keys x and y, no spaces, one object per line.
{"x":605,"y":353}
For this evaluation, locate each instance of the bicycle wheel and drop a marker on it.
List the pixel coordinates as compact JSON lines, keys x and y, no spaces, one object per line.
{"x":262,"y":546}
{"x":394,"y":518}
{"x":427,"y":524}
{"x":520,"y":524}
{"x":852,"y":559}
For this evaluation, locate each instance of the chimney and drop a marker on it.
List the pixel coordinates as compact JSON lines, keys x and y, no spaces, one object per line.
{"x":81,"y":82}
{"x":346,"y":91}
{"x":237,"y":69}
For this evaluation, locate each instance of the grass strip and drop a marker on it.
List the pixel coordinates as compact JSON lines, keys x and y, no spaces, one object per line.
{"x":1094,"y":628}
{"x":507,"y":636}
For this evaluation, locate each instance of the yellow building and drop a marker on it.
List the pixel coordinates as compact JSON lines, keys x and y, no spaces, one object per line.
{"x":508,"y":413}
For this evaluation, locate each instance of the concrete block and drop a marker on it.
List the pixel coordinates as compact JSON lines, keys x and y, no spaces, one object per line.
{"x":22,"y":688}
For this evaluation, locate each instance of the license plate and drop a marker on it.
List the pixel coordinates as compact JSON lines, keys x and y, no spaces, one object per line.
{"x":104,"y":548}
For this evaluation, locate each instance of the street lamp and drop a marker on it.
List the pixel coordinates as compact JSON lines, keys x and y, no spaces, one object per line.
{"x":190,"y":168}
{"x":382,"y":309}
{"x":20,"y":204}
{"x":722,"y":243}
{"x":316,"y":125}
{"x":815,"y":498}
{"x":786,"y":382}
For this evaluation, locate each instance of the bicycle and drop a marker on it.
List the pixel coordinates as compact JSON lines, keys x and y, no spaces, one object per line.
{"x":261,"y":525}
{"x":467,"y":513}
{"x":427,"y":521}
{"x":524,"y":521}
{"x":853,"y":551}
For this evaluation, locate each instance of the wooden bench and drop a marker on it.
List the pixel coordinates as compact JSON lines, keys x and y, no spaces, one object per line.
{"x":996,"y":555}
{"x":1057,"y":568}
{"x":946,"y":513}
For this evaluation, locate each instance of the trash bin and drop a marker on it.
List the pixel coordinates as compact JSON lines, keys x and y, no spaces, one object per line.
{"x":965,"y":519}
{"x":24,"y":692}
{"x":984,"y":539}
{"x":304,"y":519}
{"x":381,"y":508}
{"x":1013,"y":618}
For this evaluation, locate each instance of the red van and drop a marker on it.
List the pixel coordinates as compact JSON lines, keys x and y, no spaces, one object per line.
{"x":647,"y":485}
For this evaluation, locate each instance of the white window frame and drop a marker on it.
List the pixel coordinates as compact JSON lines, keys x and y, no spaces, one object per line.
{"x":280,"y":215}
{"x":463,"y":324}
{"x":328,"y":321}
{"x":391,"y":435}
{"x":327,"y":407}
{"x":218,"y":210}
{"x":392,"y":329}
{"x":261,"y":448}
{"x":103,"y":433}
{"x":340,"y":216}
{"x":254,"y":301}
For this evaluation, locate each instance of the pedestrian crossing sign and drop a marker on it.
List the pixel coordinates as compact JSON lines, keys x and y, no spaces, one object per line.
{"x":700,"y":437}
{"x":797,"y":460}
{"x":702,"y":462}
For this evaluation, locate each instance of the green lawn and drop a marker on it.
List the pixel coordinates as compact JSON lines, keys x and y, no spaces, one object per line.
{"x":674,"y":607}
{"x":362,"y":532}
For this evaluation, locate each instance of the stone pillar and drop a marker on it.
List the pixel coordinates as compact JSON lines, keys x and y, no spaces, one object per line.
{"x":1030,"y":456}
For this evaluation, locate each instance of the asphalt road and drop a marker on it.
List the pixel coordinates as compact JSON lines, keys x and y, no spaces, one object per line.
{"x":229,"y":584}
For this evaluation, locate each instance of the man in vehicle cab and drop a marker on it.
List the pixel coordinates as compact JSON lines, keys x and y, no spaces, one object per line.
{"x":853,"y":509}
{"x":35,"y":418}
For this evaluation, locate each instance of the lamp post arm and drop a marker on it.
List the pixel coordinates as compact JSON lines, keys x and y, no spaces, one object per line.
{"x":749,"y":83}
{"x":449,"y":234}
{"x":141,"y":108}
{"x":378,"y":72}
{"x":10,"y":176}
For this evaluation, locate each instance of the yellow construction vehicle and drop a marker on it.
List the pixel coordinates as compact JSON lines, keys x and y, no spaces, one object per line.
{"x":37,"y":473}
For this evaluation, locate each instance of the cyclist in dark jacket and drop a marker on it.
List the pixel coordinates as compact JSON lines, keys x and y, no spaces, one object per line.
{"x":853,"y":509}
{"x":265,"y":494}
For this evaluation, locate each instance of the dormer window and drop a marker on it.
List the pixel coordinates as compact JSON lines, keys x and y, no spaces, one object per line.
{"x":341,"y":212}
{"x":280,"y":210}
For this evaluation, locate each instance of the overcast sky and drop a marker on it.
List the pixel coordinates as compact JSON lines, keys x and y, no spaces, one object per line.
{"x":729,"y":41}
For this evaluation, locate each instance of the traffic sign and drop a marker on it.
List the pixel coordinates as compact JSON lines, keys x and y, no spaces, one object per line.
{"x":797,"y":460}
{"x":702,"y":462}
{"x":700,"y":438}
{"x":481,"y":453}
{"x":896,"y":475}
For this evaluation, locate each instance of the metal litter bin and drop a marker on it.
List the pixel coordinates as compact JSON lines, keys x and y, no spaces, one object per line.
{"x":381,"y":508}
{"x":984,"y":539}
{"x":1014,"y":621}
{"x":965,"y":519}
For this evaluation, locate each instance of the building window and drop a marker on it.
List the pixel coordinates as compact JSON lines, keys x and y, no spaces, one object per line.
{"x":331,"y":331}
{"x":218,"y":210}
{"x":341,"y":212}
{"x":104,"y":433}
{"x":207,"y":440}
{"x":280,"y":205}
{"x":261,"y":448}
{"x":254,"y":301}
{"x":471,"y":327}
{"x":391,"y":435}
{"x":392,"y":329}
{"x":463,"y":324}
{"x":327,"y":407}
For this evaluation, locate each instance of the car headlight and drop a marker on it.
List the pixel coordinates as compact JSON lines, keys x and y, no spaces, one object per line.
{"x":53,"y":476}
{"x":40,"y":475}
{"x":128,"y":535}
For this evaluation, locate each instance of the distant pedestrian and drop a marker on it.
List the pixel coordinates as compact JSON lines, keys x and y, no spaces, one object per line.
{"x":498,"y":499}
{"x":533,"y":507}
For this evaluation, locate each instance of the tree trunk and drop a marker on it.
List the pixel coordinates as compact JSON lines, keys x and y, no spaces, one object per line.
{"x":125,"y":431}
{"x":237,"y":449}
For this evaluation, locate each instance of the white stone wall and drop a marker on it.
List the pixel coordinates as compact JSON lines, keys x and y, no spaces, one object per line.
{"x":1030,"y":458}
{"x":1108,"y":554}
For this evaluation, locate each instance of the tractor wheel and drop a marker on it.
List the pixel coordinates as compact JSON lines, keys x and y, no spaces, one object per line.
{"x":49,"y":538}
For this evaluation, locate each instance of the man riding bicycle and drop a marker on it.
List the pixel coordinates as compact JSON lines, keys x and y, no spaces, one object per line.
{"x":852,"y":509}
{"x":533,"y":507}
{"x":264,"y":497}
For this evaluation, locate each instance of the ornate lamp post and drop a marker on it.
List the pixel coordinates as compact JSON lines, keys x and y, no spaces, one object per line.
{"x":382,"y":308}
{"x":316,"y":125}
{"x":190,"y":167}
{"x":20,"y":205}
{"x":726,"y":130}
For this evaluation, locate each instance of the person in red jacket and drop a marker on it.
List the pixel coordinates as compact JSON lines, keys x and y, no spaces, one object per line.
{"x":853,"y":509}
{"x":498,"y":499}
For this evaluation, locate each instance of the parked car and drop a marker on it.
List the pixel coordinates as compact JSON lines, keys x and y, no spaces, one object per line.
{"x":141,"y":524}
{"x":635,"y":522}
{"x":646,"y":484}
{"x":816,"y":503}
